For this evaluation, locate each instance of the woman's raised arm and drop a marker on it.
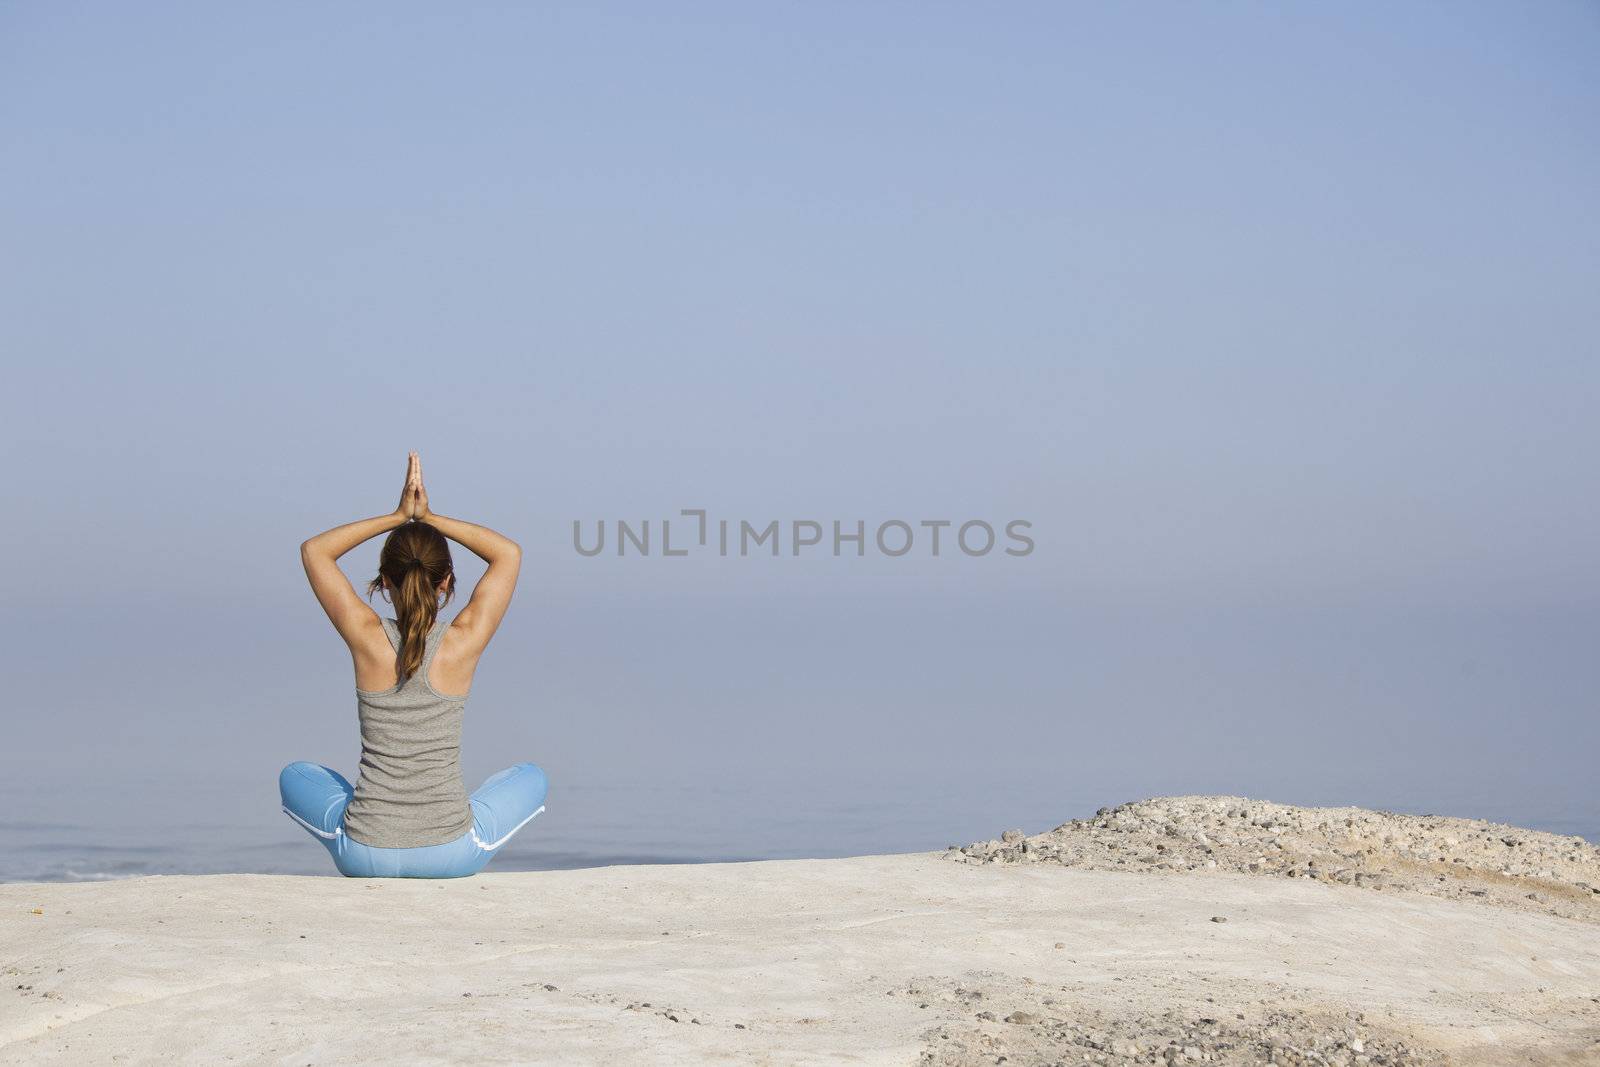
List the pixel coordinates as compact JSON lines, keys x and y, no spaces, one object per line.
{"x":350,"y":614}
{"x":492,"y":595}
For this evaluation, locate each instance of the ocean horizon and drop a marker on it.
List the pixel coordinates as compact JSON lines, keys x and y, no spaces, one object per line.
{"x":74,"y":833}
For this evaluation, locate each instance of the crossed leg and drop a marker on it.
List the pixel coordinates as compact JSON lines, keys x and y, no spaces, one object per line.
{"x":316,"y":796}
{"x":505,"y":803}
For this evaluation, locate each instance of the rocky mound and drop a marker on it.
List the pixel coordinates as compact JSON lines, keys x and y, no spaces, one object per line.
{"x":1457,"y":858}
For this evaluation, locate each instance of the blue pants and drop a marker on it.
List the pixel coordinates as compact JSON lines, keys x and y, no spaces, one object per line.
{"x":315,"y":797}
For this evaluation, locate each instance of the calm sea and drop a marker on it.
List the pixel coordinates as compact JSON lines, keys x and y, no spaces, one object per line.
{"x":78,"y":832}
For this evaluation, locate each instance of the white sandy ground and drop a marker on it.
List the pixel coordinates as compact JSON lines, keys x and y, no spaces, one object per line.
{"x":814,"y":959}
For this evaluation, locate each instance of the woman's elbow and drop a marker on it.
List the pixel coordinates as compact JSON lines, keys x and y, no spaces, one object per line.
{"x":507,"y":554}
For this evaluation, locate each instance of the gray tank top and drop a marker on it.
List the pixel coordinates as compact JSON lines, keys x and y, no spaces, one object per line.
{"x":410,"y":791}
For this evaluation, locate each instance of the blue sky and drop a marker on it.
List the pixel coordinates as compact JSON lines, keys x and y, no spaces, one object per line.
{"x":1278,"y":323}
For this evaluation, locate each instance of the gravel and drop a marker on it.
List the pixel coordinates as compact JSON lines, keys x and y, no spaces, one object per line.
{"x":1057,"y":1027}
{"x":1466,"y":859}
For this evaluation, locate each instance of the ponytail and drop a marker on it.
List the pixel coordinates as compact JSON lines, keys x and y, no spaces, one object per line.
{"x":416,"y":561}
{"x":416,"y":603}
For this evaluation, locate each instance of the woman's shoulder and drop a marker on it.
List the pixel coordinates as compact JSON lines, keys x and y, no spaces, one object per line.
{"x":454,"y":660}
{"x":446,"y":632}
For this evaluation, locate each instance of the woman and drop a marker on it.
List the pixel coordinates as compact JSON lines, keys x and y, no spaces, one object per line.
{"x":408,"y":815}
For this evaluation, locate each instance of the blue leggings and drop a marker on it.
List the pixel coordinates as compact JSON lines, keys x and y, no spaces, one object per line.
{"x":315,"y":797}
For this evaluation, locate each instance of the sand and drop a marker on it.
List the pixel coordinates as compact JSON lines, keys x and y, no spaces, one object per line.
{"x":879,"y":960}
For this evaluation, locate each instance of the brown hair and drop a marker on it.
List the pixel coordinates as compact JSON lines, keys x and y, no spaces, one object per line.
{"x":416,"y":560}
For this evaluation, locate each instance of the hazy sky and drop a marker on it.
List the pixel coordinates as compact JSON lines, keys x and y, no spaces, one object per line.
{"x":1279,"y":323}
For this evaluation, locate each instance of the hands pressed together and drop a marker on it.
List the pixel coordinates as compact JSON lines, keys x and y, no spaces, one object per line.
{"x":414,"y":497}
